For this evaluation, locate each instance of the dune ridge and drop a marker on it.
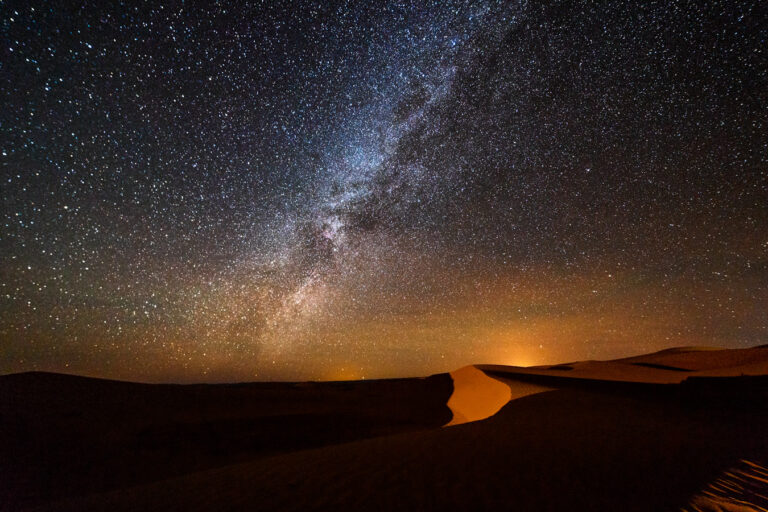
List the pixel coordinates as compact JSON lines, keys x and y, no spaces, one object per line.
{"x":478,"y":395}
{"x":671,"y":366}
{"x":657,"y":432}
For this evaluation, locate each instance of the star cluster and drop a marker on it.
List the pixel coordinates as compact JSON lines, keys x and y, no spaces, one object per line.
{"x":290,"y":190}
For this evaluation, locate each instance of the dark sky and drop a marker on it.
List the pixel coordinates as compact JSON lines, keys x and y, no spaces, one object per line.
{"x":212,"y":191}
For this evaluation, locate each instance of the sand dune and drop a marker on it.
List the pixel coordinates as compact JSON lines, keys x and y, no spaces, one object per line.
{"x":563,"y":450}
{"x":705,"y":358}
{"x":666,"y":367}
{"x":477,"y":396}
{"x":63,"y":435}
{"x":663,"y":431}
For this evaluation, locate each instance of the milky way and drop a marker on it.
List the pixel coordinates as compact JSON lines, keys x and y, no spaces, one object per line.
{"x":327,"y":190}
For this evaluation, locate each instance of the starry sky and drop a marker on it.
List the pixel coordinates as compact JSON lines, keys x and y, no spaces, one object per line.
{"x":289,"y":190}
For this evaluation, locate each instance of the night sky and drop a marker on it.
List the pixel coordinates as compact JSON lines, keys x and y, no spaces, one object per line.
{"x":217,"y":191}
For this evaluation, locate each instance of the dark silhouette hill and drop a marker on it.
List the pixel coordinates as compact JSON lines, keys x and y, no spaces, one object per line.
{"x":673,"y":430}
{"x":64,"y":435}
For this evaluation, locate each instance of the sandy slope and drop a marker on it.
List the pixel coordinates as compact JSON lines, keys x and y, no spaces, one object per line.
{"x":706,"y":359}
{"x":742,"y":488}
{"x":665,"y":367}
{"x":612,"y":435}
{"x":63,"y":435}
{"x":481,"y":390}
{"x":560,"y":450}
{"x":477,"y":396}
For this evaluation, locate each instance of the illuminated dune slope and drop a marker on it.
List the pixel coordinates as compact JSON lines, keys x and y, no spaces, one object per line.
{"x":670,"y":366}
{"x":477,"y":396}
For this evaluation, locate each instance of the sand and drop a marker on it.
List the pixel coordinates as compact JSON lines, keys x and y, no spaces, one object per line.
{"x":66,"y":436}
{"x":666,"y":367}
{"x":739,"y":489}
{"x":477,"y":396}
{"x":561,"y":450}
{"x":603,"y":439}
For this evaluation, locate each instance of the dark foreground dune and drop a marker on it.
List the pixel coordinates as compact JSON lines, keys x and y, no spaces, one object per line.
{"x":584,"y":443}
{"x":63,"y":435}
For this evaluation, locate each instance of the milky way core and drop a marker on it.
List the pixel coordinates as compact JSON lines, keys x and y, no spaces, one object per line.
{"x":218,"y":191}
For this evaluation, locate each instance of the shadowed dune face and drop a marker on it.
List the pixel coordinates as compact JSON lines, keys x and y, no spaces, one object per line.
{"x":477,"y":396}
{"x":565,"y":450}
{"x":638,"y":434}
{"x":63,"y":435}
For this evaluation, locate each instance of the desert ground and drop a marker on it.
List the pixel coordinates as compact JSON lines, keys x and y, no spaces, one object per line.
{"x":680,"y":429}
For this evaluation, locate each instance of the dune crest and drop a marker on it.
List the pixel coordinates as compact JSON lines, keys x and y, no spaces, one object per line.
{"x":477,"y":396}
